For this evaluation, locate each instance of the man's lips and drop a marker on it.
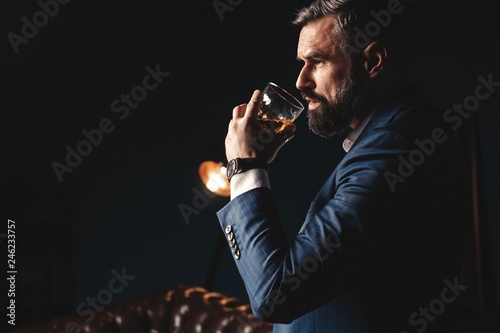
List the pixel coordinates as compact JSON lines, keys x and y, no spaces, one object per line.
{"x":312,"y":103}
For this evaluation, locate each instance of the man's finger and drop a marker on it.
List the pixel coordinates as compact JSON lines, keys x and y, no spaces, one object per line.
{"x":254,"y":105}
{"x":239,"y":111}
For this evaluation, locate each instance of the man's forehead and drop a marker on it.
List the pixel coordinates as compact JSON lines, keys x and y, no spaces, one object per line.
{"x":318,"y":34}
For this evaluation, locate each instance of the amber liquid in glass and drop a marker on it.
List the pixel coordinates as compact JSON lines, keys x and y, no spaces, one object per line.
{"x":275,"y":125}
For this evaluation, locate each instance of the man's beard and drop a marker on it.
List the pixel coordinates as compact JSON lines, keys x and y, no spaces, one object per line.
{"x":330,"y":119}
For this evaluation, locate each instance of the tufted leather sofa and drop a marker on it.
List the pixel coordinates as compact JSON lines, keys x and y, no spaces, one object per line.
{"x":181,"y":310}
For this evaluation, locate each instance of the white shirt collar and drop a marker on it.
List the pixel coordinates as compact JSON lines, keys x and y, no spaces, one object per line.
{"x":356,"y":132}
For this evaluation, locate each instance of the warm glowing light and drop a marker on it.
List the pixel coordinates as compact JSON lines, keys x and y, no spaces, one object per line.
{"x":213,"y":175}
{"x":215,"y":182}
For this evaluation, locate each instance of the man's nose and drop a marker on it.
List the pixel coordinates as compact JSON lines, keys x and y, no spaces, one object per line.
{"x":304,"y":80}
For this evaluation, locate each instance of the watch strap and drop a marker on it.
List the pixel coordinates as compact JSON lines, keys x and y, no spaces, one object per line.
{"x":239,"y":165}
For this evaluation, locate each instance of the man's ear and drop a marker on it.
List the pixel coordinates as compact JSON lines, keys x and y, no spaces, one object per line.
{"x":374,"y":59}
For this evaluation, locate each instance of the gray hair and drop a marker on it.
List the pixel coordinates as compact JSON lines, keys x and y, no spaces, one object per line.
{"x":348,"y":15}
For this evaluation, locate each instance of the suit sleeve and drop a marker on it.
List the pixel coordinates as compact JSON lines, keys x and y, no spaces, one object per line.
{"x":285,"y":281}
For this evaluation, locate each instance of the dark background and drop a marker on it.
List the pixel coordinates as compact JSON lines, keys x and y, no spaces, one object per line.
{"x":120,"y":207}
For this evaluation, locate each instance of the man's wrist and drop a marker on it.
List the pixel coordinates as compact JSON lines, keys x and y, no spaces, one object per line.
{"x":239,"y":165}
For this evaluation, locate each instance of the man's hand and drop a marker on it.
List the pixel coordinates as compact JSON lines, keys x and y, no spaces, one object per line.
{"x":246,"y":138}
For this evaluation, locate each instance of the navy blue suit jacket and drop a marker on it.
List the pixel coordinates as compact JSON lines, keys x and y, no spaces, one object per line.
{"x":379,"y":250}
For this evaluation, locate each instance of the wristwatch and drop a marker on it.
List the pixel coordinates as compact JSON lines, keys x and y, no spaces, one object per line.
{"x":239,"y":165}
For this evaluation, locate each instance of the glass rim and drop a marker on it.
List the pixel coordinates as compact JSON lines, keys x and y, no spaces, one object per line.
{"x":297,"y":103}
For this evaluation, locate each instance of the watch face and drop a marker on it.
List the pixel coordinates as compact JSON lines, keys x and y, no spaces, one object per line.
{"x":231,"y":168}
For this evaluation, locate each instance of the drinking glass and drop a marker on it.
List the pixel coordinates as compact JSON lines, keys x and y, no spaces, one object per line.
{"x":278,"y":108}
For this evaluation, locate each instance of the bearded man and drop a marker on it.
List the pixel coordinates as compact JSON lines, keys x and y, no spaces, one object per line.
{"x":379,"y":250}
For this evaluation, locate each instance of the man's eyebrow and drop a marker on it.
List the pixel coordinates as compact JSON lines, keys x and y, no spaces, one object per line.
{"x":313,"y":55}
